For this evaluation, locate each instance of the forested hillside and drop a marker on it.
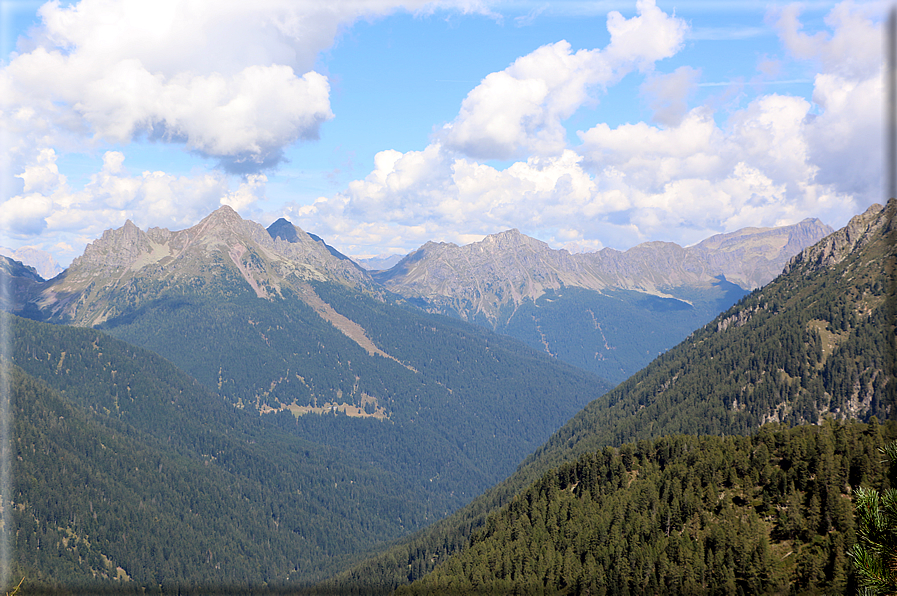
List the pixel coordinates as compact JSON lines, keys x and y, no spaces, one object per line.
{"x":815,"y":343}
{"x":771,"y":513}
{"x":478,"y":401}
{"x":615,"y":333}
{"x":275,"y":322}
{"x":124,"y":461}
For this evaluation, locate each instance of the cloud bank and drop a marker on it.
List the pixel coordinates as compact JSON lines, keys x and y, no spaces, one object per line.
{"x":110,"y":72}
{"x":682,"y":178}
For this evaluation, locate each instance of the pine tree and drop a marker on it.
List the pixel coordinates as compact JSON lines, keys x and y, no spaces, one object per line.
{"x":875,"y":554}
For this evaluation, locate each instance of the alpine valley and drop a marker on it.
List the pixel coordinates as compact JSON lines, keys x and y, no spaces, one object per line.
{"x":292,"y":418}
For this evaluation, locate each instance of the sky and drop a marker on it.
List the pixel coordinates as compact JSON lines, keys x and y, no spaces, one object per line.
{"x":380,"y":125}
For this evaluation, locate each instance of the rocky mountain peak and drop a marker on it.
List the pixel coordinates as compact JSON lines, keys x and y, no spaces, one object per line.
{"x":512,"y":235}
{"x":511,"y":239}
{"x":222,"y":223}
{"x":283,"y":228}
{"x":836,"y":247}
{"x":221,"y":248}
{"x":116,"y":248}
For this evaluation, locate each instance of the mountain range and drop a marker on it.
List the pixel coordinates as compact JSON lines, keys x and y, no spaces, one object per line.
{"x":294,"y":367}
{"x":275,"y":326}
{"x":610,"y":312}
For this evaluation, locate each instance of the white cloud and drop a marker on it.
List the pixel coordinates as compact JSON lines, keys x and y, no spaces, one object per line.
{"x":697,"y":178}
{"x":521,"y":108}
{"x":51,"y":207}
{"x":853,"y":49}
{"x":668,"y":94}
{"x":650,"y":157}
{"x":42,"y":175}
{"x":229,"y":79}
{"x":247,"y":194}
{"x":776,"y":161}
{"x":248,"y":116}
{"x":845,"y":141}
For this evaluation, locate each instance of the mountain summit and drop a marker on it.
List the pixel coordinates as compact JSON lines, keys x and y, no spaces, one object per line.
{"x":126,"y":263}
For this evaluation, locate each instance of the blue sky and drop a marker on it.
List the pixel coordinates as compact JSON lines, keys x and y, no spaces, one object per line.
{"x":381,"y":125}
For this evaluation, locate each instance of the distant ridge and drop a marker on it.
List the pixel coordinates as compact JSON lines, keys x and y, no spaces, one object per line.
{"x":609,"y":312}
{"x":42,"y":261}
{"x":379,"y":263}
{"x":509,"y":267}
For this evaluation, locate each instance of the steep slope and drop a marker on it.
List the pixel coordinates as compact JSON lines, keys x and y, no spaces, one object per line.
{"x":625,"y":307}
{"x":816,"y":342}
{"x":128,"y":468}
{"x":682,"y":514}
{"x":275,"y":323}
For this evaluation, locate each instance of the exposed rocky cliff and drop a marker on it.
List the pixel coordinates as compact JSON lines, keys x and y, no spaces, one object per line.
{"x":508,"y":268}
{"x":876,"y":221}
{"x":117,"y":270}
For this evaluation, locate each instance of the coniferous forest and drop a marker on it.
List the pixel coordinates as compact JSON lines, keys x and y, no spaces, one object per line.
{"x":769,"y":513}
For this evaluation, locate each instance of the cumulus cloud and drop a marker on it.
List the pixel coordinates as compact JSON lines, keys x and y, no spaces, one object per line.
{"x":521,"y":109}
{"x":853,"y":47}
{"x":698,"y":177}
{"x":776,"y":161}
{"x":667,"y":94}
{"x":244,"y":117}
{"x":151,"y":198}
{"x":231,"y":80}
{"x":451,"y":198}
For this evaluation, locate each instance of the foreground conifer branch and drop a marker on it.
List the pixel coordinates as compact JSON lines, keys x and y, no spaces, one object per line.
{"x":875,"y":553}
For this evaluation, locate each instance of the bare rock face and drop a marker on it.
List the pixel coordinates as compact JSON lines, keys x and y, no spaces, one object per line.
{"x":503,"y":268}
{"x":752,"y":257}
{"x":127,"y":265}
{"x":508,"y":268}
{"x":859,"y":231}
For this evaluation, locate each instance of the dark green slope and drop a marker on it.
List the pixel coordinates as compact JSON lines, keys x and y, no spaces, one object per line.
{"x":681,"y":515}
{"x":464,"y":405}
{"x":122,"y":456}
{"x":816,"y":342}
